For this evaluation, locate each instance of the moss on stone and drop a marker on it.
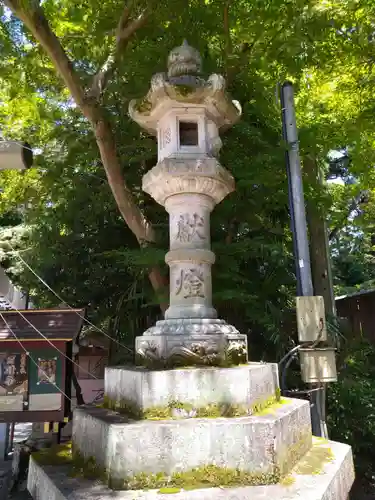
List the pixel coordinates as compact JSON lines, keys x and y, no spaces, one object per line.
{"x":214,"y":410}
{"x":278,"y":394}
{"x":87,"y":467}
{"x":269,"y":406}
{"x":167,"y":491}
{"x":184,"y":90}
{"x":125,"y":407}
{"x":320,"y":440}
{"x":143,"y":106}
{"x":56,"y":455}
{"x":208,"y":476}
{"x":315,"y":459}
{"x":64,"y":454}
{"x":293,"y":453}
{"x":287,"y":480}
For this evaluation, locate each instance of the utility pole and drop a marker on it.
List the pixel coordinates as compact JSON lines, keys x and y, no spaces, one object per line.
{"x":295,"y":191}
{"x":320,"y":256}
{"x":319,"y":241}
{"x":299,"y":224}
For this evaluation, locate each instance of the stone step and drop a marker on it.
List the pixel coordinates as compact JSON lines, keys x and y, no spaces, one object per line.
{"x":314,"y":478}
{"x":141,"y":389}
{"x":267,"y":444}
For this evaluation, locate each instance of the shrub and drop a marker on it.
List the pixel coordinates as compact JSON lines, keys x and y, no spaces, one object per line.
{"x":351,"y":405}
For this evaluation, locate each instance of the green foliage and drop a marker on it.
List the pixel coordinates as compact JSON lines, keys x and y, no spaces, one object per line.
{"x":72,"y":234}
{"x":352,"y":248}
{"x":56,"y":455}
{"x":351,"y":410}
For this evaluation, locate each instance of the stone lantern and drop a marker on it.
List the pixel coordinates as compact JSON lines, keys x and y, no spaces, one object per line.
{"x":187,"y":113}
{"x":201,"y":432}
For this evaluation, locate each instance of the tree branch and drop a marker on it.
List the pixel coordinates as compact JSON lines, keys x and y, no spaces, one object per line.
{"x":228,"y":40}
{"x":232,"y":231}
{"x":125,"y":30}
{"x":248,"y":48}
{"x":356,"y":202}
{"x":34,"y":19}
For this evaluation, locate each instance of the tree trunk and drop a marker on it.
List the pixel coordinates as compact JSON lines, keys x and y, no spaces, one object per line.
{"x":319,"y":244}
{"x":88,"y":101}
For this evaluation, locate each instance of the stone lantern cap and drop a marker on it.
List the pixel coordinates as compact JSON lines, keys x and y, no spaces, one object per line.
{"x":184,"y":61}
{"x":183,"y":86}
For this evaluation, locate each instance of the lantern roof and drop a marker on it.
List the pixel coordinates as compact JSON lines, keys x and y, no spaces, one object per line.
{"x":181,"y":87}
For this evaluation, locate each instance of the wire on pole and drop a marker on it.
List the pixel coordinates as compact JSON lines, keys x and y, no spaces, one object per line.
{"x":67,"y":305}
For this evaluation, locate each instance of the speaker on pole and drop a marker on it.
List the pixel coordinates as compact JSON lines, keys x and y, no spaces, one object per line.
{"x":15,"y":155}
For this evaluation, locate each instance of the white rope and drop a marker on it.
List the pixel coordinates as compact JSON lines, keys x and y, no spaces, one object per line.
{"x":62,"y":300}
{"x":32,"y":359}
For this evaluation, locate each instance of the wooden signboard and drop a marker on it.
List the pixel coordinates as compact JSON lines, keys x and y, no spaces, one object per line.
{"x":32,"y":387}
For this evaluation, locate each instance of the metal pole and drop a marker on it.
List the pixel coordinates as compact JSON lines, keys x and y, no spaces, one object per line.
{"x":298,"y":220}
{"x":296,"y":198}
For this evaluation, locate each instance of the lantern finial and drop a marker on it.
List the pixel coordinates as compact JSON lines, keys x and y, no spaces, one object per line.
{"x":184,"y":60}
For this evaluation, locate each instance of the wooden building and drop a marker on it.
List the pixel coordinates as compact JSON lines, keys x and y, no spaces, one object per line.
{"x":359,"y":310}
{"x":35,"y":370}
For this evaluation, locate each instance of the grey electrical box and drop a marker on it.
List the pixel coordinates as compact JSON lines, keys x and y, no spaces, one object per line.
{"x":318,"y":365}
{"x":311,"y":321}
{"x":15,"y":155}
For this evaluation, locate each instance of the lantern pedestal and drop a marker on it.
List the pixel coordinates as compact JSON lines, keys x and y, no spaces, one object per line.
{"x":188,"y":342}
{"x":334,"y":480}
{"x":191,"y":334}
{"x":143,"y":390}
{"x":172,"y":430}
{"x":176,"y":430}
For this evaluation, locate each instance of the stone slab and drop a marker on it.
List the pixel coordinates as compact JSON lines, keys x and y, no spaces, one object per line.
{"x":242,"y":385}
{"x":261,"y":444}
{"x":333,"y":483}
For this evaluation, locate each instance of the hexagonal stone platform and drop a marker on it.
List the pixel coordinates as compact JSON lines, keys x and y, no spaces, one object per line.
{"x":332,"y":481}
{"x":242,"y":385}
{"x":266,"y":443}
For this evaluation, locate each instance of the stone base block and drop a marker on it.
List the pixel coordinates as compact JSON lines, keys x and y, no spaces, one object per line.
{"x":331,"y":480}
{"x":191,"y":342}
{"x":246,"y":385}
{"x":269,"y":443}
